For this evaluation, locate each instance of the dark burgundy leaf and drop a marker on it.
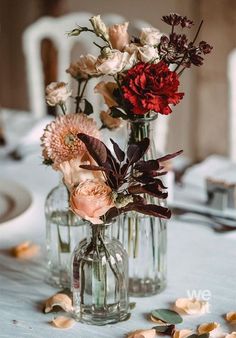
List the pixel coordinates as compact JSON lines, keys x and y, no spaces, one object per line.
{"x":169,"y":156}
{"x":93,"y":167}
{"x":95,"y":147}
{"x":88,"y":108}
{"x":119,"y":153}
{"x":147,"y":165}
{"x":152,"y":189}
{"x":165,"y":329}
{"x":153,"y":210}
{"x":136,"y":151}
{"x":115,"y":112}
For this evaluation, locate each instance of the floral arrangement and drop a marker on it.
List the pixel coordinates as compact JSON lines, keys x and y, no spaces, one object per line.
{"x":145,"y":72}
{"x":145,"y":69}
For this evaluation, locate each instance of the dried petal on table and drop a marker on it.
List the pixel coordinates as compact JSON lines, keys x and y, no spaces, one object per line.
{"x":192,"y":306}
{"x":184,"y":333}
{"x":59,"y":299}
{"x":142,"y":334}
{"x":231,"y":317}
{"x":231,"y":335}
{"x":62,"y":322}
{"x":208,"y":328}
{"x":25,"y":250}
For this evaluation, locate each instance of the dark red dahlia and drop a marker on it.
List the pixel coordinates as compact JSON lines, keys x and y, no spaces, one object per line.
{"x":151,"y":87}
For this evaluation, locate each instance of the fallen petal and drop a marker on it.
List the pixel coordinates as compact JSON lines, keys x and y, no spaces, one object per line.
{"x":182,"y":333}
{"x":192,"y":306}
{"x":25,"y":250}
{"x":208,"y":327}
{"x":63,"y":322}
{"x":231,"y":317}
{"x":231,"y":335}
{"x":155,"y":320}
{"x":59,"y":299}
{"x":142,"y":334}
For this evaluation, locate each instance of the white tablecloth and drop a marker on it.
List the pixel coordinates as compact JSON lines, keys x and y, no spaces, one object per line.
{"x":198,"y":260}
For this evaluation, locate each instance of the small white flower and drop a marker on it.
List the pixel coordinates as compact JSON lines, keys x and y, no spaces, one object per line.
{"x":114,"y":63}
{"x":99,"y":26}
{"x":57,"y":93}
{"x":148,"y":53}
{"x":150,"y":36}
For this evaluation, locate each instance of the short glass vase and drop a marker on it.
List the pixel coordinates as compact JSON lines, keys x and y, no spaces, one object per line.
{"x":63,"y":232}
{"x":100,"y":278}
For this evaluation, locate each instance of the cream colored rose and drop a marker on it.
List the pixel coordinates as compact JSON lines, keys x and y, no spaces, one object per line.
{"x":84,"y":67}
{"x":150,"y":36}
{"x":99,"y":26}
{"x":119,"y":36}
{"x":91,"y":199}
{"x":106,"y":89}
{"x":114,"y":63}
{"x":57,"y":93}
{"x":142,"y":334}
{"x":73,"y":174}
{"x":148,"y":54}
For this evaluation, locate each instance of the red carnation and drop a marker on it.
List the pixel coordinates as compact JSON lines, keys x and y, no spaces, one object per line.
{"x":151,"y":87}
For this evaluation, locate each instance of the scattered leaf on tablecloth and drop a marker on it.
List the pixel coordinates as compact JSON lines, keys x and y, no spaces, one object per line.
{"x":231,"y":335}
{"x":62,"y":322}
{"x":59,"y":299}
{"x":167,"y":316}
{"x":208,"y":328}
{"x":231,"y":317}
{"x":184,"y":333}
{"x":192,"y":306}
{"x":151,"y":333}
{"x":195,"y":335}
{"x":165,"y":329}
{"x":25,"y":250}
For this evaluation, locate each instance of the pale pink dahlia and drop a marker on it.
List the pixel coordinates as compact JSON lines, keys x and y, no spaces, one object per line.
{"x":60,"y":142}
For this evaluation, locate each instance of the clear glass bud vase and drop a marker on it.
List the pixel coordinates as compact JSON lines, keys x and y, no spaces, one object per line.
{"x":100,"y":279}
{"x":63,"y":232}
{"x":144,"y":237}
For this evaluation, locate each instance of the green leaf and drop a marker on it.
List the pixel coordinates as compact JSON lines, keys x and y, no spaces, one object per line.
{"x":115,"y":112}
{"x":88,"y":108}
{"x":167,"y":316}
{"x":132,"y":305}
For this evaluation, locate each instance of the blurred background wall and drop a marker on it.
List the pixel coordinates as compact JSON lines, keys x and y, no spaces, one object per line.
{"x":199,"y":124}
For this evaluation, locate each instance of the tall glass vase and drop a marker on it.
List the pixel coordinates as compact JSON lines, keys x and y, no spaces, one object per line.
{"x":100,"y":279}
{"x":63,"y":232}
{"x":144,"y":237}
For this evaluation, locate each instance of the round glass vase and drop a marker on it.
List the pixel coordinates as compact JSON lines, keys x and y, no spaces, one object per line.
{"x":144,"y":237}
{"x":100,"y":279}
{"x":63,"y":232}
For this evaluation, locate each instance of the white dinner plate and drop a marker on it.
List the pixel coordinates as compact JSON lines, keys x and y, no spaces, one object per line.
{"x":14,"y":200}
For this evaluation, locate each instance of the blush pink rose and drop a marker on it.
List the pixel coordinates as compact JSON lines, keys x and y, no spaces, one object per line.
{"x":119,"y":36}
{"x":91,"y":199}
{"x":73,"y":174}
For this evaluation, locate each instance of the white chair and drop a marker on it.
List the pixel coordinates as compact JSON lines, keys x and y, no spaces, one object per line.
{"x":55,"y":29}
{"x":232,"y":104}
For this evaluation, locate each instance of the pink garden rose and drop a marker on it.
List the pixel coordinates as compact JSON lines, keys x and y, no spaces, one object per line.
{"x":73,"y":174}
{"x":119,"y":36}
{"x":91,"y":199}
